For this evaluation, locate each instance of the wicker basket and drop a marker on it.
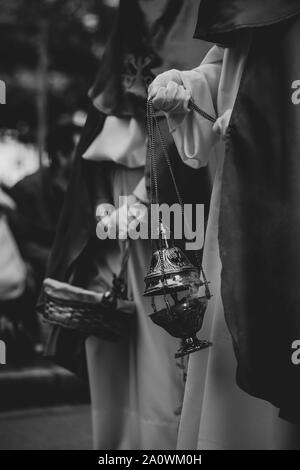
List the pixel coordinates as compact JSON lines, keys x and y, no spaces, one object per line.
{"x":98,"y":314}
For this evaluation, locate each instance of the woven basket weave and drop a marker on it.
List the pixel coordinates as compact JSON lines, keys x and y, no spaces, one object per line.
{"x":102,"y":315}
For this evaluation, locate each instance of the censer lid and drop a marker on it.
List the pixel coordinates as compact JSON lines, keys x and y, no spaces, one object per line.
{"x":170,"y":270}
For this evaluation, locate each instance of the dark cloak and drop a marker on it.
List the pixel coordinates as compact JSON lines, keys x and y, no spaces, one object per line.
{"x":259,"y":229}
{"x":220,"y":20}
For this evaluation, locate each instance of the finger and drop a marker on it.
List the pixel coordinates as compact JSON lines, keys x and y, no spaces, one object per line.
{"x":165,"y":97}
{"x":180,"y":101}
{"x":159,"y":82}
{"x":184,"y":97}
{"x":159,"y":99}
{"x":173,"y":98}
{"x":172,"y":90}
{"x":151,"y":93}
{"x":162,"y":81}
{"x":154,"y":90}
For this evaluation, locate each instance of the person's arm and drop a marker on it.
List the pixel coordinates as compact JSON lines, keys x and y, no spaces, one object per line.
{"x":99,"y":184}
{"x":118,"y":221}
{"x":194,"y":135}
{"x":7,"y":204}
{"x":140,"y":192}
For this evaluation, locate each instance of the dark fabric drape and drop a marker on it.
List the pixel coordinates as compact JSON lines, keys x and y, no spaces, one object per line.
{"x":260,"y":220}
{"x":219,"y":20}
{"x":75,"y":228}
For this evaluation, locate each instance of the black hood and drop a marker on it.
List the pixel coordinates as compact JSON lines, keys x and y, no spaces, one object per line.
{"x":149,"y":37}
{"x":219,"y":20}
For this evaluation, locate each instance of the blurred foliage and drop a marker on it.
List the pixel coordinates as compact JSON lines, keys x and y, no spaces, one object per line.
{"x":56,"y":44}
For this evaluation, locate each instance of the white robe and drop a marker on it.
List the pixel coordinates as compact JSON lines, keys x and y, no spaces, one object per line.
{"x":136,"y":386}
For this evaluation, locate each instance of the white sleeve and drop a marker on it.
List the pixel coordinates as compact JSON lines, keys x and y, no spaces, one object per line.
{"x":192,"y":133}
{"x":140,"y":191}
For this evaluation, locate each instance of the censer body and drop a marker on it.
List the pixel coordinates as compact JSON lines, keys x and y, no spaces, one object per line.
{"x":172,"y":273}
{"x":178,"y":272}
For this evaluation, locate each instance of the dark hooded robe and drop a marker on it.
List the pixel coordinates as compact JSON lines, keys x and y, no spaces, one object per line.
{"x":148,"y":38}
{"x":259,"y":225}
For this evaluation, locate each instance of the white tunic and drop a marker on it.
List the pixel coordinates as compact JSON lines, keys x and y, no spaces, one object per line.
{"x":136,"y":385}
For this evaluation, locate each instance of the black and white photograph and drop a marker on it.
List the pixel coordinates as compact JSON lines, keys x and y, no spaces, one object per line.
{"x":149,"y":228}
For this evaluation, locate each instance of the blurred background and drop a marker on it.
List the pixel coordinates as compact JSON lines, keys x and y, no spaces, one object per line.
{"x":49,"y":52}
{"x":49,"y":55}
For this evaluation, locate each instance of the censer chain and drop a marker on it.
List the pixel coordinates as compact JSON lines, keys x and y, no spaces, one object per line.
{"x":179,"y":197}
{"x":151,"y":119}
{"x":154,"y":191}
